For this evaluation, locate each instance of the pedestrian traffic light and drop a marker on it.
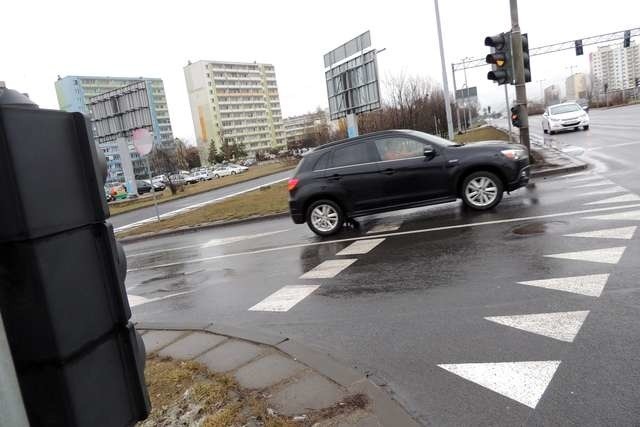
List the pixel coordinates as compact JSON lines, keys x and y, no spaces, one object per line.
{"x":500,"y":58}
{"x":515,"y":115}
{"x":579,"y":50}
{"x":78,"y":359}
{"x":525,"y":58}
{"x":627,"y":39}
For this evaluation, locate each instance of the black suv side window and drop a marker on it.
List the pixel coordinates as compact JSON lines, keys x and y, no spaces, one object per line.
{"x":322,"y":162}
{"x":352,"y":155}
{"x":397,"y":148}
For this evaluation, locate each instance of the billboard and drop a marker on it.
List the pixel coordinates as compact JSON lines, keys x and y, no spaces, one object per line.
{"x":352,"y":87}
{"x":348,"y":49}
{"x":465,"y":93}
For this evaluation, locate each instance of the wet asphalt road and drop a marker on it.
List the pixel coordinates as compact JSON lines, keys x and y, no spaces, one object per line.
{"x":420,"y":298}
{"x":149,"y":212}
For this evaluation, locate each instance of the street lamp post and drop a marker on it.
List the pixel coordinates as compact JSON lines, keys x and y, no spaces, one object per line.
{"x":445,"y":83}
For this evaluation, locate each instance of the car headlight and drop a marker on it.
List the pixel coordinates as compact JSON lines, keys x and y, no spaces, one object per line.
{"x":514,"y":153}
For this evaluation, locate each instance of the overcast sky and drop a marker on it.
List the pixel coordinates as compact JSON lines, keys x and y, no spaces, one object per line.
{"x":43,"y":39}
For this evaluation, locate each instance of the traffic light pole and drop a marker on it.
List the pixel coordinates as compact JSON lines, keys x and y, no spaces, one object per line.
{"x":518,"y":63}
{"x":507,"y":111}
{"x":455,"y":96}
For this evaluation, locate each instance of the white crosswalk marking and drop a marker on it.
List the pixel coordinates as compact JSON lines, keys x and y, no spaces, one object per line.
{"x":234,"y":239}
{"x":136,"y":300}
{"x":328,"y":269}
{"x":611,"y":190}
{"x":583,"y":179}
{"x":605,"y":256}
{"x":561,"y":326}
{"x":589,"y":285}
{"x":609,"y":233}
{"x":595,"y":184}
{"x":618,"y":199}
{"x":524,"y":382}
{"x":626,"y":216}
{"x":285,"y":298}
{"x":384,"y":228}
{"x":360,"y":247}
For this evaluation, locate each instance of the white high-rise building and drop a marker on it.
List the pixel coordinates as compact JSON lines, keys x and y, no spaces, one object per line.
{"x":576,"y":86}
{"x":235,"y":102}
{"x":616,"y":66}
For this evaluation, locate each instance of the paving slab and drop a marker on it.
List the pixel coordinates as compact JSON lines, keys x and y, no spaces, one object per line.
{"x":230,"y":355}
{"x":312,"y":391}
{"x":155,"y":340}
{"x":267,"y":371}
{"x":191,"y":345}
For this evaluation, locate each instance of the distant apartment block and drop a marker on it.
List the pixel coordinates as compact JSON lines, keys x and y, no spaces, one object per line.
{"x":576,"y":86}
{"x":75,"y":92}
{"x":552,"y":95}
{"x":235,"y":102}
{"x":616,"y":66}
{"x":297,"y":128}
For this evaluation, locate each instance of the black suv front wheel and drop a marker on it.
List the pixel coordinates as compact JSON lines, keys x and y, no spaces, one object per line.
{"x":325,"y":217}
{"x":482,"y":190}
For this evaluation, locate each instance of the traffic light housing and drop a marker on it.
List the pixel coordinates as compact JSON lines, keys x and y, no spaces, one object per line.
{"x":579,"y":50}
{"x":500,"y":58}
{"x":627,"y":39}
{"x":525,"y":58}
{"x":515,"y":115}
{"x":78,"y":358}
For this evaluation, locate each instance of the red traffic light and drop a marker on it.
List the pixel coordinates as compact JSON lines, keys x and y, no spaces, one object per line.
{"x":497,"y":41}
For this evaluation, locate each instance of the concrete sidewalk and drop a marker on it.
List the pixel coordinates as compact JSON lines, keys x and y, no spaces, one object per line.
{"x":298,"y":382}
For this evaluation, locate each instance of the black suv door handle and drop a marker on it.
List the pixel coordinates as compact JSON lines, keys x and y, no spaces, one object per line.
{"x":335,"y":177}
{"x":388,"y":171}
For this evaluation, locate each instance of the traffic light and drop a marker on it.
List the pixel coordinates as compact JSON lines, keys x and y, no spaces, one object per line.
{"x":515,"y":115}
{"x":579,"y":50}
{"x":500,"y":58}
{"x":525,"y":58}
{"x":627,"y":39}
{"x":78,"y":359}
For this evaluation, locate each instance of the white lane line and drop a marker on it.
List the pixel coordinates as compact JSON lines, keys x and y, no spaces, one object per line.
{"x":384,"y":228}
{"x":524,"y":382}
{"x":561,"y":326}
{"x":360,"y":247}
{"x":210,"y":243}
{"x":627,"y":198}
{"x":590,"y":285}
{"x":328,"y":269}
{"x":609,"y":233}
{"x":625,"y":216}
{"x":611,"y":190}
{"x":195,"y":206}
{"x":285,"y":298}
{"x":583,"y":179}
{"x":135,"y":300}
{"x":595,"y":184}
{"x":399,"y":233}
{"x":604,"y":256}
{"x":234,"y":239}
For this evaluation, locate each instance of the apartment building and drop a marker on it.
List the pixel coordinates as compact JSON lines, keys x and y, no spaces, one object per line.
{"x":576,"y":86}
{"x":236,"y":102}
{"x":297,"y":128}
{"x":616,"y":66}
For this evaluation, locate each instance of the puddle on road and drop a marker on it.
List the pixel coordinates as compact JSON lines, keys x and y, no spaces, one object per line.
{"x":538,"y":227}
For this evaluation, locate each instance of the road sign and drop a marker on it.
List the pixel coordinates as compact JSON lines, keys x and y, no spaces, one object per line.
{"x":466,"y":93}
{"x":142,"y":141}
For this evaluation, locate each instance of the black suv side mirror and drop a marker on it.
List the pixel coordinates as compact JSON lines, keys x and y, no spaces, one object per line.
{"x":429,"y":152}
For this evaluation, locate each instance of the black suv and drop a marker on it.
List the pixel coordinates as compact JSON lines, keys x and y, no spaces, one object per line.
{"x":400,"y":169}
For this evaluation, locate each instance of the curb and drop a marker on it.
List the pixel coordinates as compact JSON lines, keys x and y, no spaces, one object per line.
{"x":198,"y":227}
{"x":389,"y":411}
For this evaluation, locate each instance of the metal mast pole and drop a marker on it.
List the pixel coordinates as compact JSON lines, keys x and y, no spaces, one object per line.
{"x":508,"y":111}
{"x":455,"y":95}
{"x":445,"y":83}
{"x":521,"y":89}
{"x":466,"y":98}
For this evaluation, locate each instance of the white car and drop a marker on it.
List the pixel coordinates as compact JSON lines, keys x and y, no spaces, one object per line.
{"x":237,"y":168}
{"x":565,"y":116}
{"x":222,"y":171}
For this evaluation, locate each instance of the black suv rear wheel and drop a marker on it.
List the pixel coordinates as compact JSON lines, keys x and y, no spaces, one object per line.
{"x":482,"y":190}
{"x":325,"y":217}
